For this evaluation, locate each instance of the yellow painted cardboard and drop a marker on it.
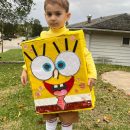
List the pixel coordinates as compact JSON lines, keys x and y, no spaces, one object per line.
{"x":58,"y":74}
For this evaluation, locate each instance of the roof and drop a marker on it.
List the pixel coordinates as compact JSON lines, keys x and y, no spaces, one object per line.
{"x":120,"y":22}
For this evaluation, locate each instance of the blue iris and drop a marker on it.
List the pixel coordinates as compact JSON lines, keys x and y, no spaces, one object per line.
{"x":60,"y":65}
{"x":47,"y":67}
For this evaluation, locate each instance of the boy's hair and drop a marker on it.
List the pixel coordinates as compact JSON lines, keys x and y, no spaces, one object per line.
{"x":63,"y":3}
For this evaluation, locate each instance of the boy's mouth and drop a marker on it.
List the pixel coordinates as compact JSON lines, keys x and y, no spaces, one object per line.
{"x":53,"y":24}
{"x":60,"y":89}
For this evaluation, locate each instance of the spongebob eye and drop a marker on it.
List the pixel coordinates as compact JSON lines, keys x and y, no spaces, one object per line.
{"x":42,"y":67}
{"x":47,"y":67}
{"x":60,"y":65}
{"x":67,"y":63}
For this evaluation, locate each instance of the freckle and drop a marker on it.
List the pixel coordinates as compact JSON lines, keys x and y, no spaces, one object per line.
{"x":82,"y":85}
{"x":38,"y":94}
{"x":76,"y":90}
{"x":72,"y":38}
{"x":25,"y":46}
{"x":40,"y":88}
{"x":31,"y":50}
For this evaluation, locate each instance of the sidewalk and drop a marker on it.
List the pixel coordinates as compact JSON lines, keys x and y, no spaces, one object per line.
{"x":13,"y":44}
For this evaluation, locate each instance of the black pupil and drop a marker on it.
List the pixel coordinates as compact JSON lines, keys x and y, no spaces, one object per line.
{"x":60,"y":65}
{"x":47,"y":67}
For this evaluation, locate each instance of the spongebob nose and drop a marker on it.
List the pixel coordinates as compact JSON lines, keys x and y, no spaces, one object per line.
{"x":55,"y":73}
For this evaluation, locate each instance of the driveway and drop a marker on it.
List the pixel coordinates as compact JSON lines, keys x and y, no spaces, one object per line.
{"x":119,"y":79}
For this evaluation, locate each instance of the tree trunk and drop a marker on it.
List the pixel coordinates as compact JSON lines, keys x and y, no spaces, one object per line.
{"x":2,"y":47}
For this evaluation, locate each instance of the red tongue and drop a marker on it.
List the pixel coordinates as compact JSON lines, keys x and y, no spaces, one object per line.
{"x":61,"y":103}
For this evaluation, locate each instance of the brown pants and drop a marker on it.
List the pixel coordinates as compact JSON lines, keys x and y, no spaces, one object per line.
{"x":66,"y":117}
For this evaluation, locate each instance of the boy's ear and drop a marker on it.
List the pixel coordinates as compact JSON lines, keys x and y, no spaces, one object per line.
{"x":68,"y":16}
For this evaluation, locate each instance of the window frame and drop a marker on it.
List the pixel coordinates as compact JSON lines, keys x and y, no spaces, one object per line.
{"x":124,"y":38}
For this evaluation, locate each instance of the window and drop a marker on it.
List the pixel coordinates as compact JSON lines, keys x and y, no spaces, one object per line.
{"x":126,"y":41}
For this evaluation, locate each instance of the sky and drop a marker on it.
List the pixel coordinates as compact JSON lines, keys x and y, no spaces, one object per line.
{"x":80,"y":9}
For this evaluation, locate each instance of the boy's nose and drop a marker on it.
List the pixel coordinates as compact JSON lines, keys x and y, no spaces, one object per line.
{"x":55,"y":73}
{"x":53,"y":17}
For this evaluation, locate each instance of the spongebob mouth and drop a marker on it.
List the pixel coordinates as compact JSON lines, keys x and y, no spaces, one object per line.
{"x":60,"y":89}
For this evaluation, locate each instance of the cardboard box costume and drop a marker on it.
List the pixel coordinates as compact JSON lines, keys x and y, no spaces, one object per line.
{"x":58,"y":74}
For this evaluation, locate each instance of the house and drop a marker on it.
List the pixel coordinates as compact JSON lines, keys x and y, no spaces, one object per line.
{"x":108,"y":38}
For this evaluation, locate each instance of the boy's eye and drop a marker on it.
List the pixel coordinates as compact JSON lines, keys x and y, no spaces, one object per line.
{"x":49,"y":14}
{"x":57,"y":13}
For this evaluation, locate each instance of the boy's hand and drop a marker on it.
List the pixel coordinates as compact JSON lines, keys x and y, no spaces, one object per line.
{"x":91,"y":83}
{"x":24,"y":77}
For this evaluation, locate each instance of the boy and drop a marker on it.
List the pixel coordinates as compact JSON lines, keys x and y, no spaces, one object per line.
{"x":57,"y":14}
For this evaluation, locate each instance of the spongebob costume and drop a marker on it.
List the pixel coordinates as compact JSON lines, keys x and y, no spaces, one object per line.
{"x":59,"y":65}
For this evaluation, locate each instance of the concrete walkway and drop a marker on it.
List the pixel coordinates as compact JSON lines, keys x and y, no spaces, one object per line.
{"x":119,"y":79}
{"x":13,"y":44}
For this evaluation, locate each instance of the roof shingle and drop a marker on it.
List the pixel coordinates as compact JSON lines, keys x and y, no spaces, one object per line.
{"x":113,"y":22}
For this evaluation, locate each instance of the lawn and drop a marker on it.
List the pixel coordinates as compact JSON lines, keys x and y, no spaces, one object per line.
{"x":12,"y":55}
{"x":112,"y":110}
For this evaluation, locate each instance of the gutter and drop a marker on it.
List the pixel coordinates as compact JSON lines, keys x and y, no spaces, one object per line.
{"x":102,"y":30}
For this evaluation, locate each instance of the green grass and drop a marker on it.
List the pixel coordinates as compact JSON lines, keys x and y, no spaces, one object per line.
{"x":12,"y":55}
{"x":17,"y":108}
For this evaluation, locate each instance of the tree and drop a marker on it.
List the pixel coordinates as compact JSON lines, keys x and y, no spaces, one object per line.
{"x":9,"y":29}
{"x":13,"y":11}
{"x":36,"y":28}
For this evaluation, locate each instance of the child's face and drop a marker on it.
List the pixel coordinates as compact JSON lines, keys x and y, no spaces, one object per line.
{"x":56,"y":16}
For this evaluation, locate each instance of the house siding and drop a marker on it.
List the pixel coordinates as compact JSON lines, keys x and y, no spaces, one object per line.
{"x":108,"y":49}
{"x":87,"y":37}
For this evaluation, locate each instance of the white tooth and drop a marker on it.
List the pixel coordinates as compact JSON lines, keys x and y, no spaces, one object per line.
{"x":55,"y":86}
{"x":61,"y":85}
